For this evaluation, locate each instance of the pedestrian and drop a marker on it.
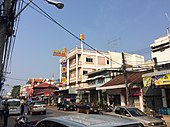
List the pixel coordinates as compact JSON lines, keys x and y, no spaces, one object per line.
{"x":6,"y":114}
{"x":22,"y":109}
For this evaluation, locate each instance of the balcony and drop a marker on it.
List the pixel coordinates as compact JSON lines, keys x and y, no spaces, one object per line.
{"x":73,"y":66}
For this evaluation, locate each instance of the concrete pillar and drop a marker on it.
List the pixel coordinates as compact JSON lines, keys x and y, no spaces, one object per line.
{"x":77,"y":70}
{"x":164,"y":98}
{"x":141,"y":100}
{"x":99,"y":99}
{"x":122,"y":99}
{"x":108,"y":102}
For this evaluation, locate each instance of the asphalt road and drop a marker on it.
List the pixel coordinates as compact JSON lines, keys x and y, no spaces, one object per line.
{"x":54,"y":112}
{"x":50,"y":112}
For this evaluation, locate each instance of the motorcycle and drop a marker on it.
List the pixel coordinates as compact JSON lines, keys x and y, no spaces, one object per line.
{"x":154,"y":114}
{"x":22,"y":121}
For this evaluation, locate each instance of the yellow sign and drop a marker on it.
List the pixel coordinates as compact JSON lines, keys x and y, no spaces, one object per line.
{"x":62,"y":52}
{"x":147,"y":81}
{"x":156,"y":80}
{"x":81,"y":37}
{"x":64,"y":80}
{"x":162,"y":79}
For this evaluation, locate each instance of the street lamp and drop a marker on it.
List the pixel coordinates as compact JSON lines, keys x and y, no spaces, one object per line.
{"x":58,"y":4}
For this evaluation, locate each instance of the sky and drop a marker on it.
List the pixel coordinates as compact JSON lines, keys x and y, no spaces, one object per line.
{"x":116,"y":25}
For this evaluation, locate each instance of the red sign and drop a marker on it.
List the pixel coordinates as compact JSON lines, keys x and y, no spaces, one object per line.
{"x":135,"y":92}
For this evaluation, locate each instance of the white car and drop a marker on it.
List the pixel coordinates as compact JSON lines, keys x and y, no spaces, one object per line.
{"x":87,"y":120}
{"x":14,"y":106}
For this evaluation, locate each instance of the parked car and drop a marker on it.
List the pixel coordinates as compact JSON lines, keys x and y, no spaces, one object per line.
{"x":66,"y":105}
{"x":38,"y":106}
{"x":136,"y":114}
{"x":88,"y":108}
{"x":87,"y":120}
{"x":14,"y":106}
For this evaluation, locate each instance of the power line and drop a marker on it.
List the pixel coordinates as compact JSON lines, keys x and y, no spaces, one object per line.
{"x":68,"y":31}
{"x":16,"y":79}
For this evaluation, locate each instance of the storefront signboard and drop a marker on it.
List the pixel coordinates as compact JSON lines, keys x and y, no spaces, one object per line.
{"x":157,"y":80}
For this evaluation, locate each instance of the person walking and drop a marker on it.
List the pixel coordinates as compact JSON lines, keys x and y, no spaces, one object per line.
{"x":22,"y":109}
{"x":6,"y":114}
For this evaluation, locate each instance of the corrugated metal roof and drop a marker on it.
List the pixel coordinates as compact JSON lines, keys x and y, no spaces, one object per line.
{"x":134,"y":77}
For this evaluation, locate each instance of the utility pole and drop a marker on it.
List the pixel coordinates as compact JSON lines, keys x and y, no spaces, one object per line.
{"x":4,"y":21}
{"x":126,"y":79}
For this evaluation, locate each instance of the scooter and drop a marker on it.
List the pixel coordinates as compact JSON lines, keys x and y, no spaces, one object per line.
{"x":22,"y":121}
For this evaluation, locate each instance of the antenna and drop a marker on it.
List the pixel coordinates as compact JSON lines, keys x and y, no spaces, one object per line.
{"x":167,"y":17}
{"x":113,"y":42}
{"x":168,"y":29}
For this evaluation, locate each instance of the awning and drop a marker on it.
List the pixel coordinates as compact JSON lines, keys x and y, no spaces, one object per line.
{"x":46,"y":92}
{"x":156,"y":73}
{"x":111,"y":87}
{"x":87,"y":88}
{"x":59,"y":90}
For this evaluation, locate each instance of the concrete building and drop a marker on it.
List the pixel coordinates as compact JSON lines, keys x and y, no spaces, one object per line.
{"x":161,"y":50}
{"x":158,"y":82}
{"x":79,"y":62}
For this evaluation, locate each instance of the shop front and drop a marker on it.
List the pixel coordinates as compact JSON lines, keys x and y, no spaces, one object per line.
{"x":156,"y":89}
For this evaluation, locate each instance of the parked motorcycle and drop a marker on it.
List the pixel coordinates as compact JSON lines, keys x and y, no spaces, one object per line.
{"x":108,"y":108}
{"x":22,"y":121}
{"x":154,"y":114}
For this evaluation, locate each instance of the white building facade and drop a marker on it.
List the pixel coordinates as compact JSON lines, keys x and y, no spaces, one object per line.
{"x":79,"y":62}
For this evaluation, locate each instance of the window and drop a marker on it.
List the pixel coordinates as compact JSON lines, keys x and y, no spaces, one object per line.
{"x":107,"y":61}
{"x":117,"y":111}
{"x":85,"y":72}
{"x":101,"y":60}
{"x":89,"y":60}
{"x":50,"y":124}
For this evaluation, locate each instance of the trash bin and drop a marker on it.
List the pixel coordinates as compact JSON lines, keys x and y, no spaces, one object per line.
{"x":168,"y":110}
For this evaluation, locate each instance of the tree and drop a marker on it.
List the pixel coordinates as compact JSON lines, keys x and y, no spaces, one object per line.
{"x":15,"y":91}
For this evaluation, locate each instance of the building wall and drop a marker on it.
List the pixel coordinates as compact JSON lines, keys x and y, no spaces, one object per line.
{"x":131,"y":59}
{"x":84,"y":61}
{"x":160,"y":49}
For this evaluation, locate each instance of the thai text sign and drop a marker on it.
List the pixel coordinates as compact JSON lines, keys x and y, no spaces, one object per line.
{"x":62,"y":52}
{"x":156,"y":80}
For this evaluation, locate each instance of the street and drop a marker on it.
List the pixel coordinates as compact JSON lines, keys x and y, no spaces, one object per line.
{"x":50,"y":113}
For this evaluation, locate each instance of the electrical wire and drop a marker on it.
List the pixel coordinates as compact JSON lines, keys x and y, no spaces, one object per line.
{"x":71,"y":33}
{"x":16,"y":79}
{"x":20,"y":5}
{"x":10,"y":39}
{"x":42,"y":12}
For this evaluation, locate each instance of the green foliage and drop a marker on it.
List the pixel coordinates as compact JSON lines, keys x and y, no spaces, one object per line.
{"x":99,"y":104}
{"x":15,"y":91}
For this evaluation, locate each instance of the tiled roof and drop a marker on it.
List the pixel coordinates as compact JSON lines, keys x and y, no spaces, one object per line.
{"x":38,"y":80}
{"x":45,"y":92}
{"x":134,"y":77}
{"x":45,"y":85}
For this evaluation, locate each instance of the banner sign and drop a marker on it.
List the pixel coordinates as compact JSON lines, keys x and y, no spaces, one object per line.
{"x":156,"y":80}
{"x":162,"y":79}
{"x":62,"y":52}
{"x":147,"y":81}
